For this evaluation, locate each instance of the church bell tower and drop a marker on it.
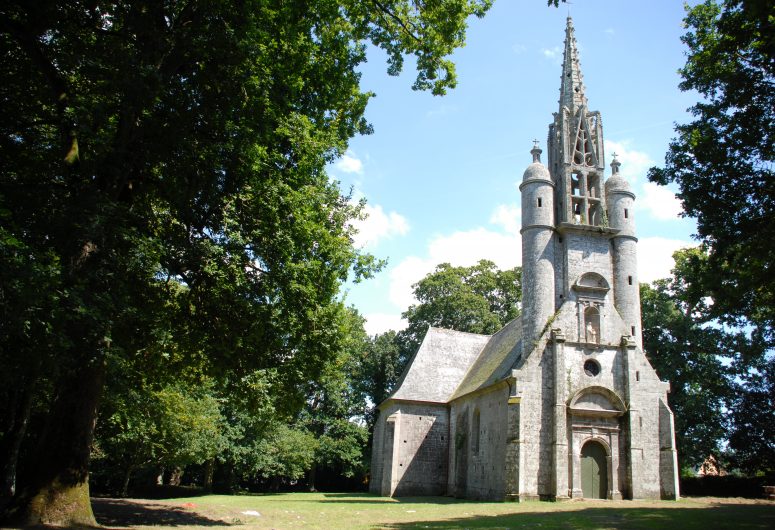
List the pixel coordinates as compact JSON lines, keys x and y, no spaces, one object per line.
{"x":578,"y":231}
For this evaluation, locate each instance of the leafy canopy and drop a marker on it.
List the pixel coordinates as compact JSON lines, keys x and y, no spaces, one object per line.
{"x":723,"y":160}
{"x":475,"y":299}
{"x":163,"y":193}
{"x":705,"y":363}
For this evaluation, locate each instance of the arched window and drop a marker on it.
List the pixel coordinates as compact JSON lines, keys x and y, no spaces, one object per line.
{"x":475,"y":426}
{"x":592,"y":324}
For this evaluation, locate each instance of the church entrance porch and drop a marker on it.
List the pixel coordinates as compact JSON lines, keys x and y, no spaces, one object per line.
{"x":595,"y":414}
{"x":594,"y":471}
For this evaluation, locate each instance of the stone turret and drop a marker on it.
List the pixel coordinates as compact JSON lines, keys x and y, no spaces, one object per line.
{"x":537,"y":247}
{"x":621,"y":216}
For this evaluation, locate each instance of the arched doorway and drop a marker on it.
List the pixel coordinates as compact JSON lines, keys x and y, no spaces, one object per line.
{"x":594,"y":471}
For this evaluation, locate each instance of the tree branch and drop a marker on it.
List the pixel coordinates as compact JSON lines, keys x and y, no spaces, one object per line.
{"x":395,"y":17}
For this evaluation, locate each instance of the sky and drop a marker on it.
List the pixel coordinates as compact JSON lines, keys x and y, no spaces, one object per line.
{"x":441,"y":174}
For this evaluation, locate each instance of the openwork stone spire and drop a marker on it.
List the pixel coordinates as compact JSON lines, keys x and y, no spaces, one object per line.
{"x":572,"y":86}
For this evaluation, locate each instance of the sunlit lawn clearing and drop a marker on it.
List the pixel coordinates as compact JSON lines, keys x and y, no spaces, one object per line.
{"x":347,"y":510}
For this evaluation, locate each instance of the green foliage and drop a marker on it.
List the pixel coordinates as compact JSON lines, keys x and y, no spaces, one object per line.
{"x":335,"y":404}
{"x":723,"y":160}
{"x":752,"y":439}
{"x":475,"y":299}
{"x":142,"y":428}
{"x":380,"y":365}
{"x":700,"y":359}
{"x":285,"y":452}
{"x":428,"y":30}
{"x":163,"y":194}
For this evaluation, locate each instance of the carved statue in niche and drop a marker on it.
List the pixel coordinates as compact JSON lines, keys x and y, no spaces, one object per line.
{"x":591,"y":333}
{"x":592,"y":324}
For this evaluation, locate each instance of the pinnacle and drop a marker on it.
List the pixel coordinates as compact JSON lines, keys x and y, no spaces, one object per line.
{"x":572,"y":85}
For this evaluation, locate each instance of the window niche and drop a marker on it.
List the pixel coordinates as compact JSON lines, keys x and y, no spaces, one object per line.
{"x":593,"y":185}
{"x":592,"y":289}
{"x":578,"y":212}
{"x":592,"y":325}
{"x":575,"y":184}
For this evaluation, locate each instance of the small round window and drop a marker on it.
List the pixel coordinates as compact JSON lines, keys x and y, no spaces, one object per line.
{"x":591,"y":368}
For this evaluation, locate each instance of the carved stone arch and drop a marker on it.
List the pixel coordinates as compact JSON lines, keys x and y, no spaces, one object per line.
{"x":597,"y":401}
{"x":595,"y":413}
{"x":599,"y":439}
{"x":592,"y":280}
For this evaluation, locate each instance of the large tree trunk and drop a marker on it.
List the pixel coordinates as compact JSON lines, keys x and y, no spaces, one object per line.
{"x":311,"y":478}
{"x":59,"y":494}
{"x":125,"y":484}
{"x":13,"y":440}
{"x":207,"y":484}
{"x":176,"y":476}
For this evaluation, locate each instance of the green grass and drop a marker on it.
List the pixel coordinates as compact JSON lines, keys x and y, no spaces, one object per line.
{"x":346,"y":511}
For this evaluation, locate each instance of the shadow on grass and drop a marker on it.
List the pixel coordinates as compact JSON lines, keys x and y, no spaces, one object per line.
{"x":715,"y":516}
{"x":371,"y":498}
{"x":120,"y":513}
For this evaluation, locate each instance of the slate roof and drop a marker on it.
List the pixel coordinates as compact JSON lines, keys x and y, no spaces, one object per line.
{"x":450,"y":364}
{"x":439,"y":365}
{"x":495,"y":361}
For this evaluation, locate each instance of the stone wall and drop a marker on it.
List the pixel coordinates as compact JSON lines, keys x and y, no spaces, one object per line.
{"x":412,"y":456}
{"x":480,"y":438}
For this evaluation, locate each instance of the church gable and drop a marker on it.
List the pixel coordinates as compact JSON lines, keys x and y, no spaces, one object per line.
{"x":439,"y":365}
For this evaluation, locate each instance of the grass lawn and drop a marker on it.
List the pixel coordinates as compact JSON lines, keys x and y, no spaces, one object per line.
{"x":348,"y":510}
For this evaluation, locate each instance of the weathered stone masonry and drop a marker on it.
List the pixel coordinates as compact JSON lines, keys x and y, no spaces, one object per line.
{"x":562,"y":403}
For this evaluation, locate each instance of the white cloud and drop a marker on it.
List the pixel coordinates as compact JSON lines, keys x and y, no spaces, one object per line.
{"x":609,"y":31}
{"x":635,"y":163}
{"x":382,"y":322}
{"x":349,"y":163}
{"x":466,"y":248}
{"x":379,"y":225}
{"x":509,"y":216}
{"x":408,"y":272}
{"x":555,"y":54}
{"x":660,"y":202}
{"x":655,"y":257}
{"x":463,"y":248}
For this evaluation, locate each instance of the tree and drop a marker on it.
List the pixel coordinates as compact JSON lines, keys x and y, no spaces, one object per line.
{"x":752,"y":439}
{"x":723,"y":160}
{"x":163,"y":179}
{"x":380,"y":365}
{"x":335,"y":406}
{"x":285,"y":453}
{"x":700,"y":359}
{"x":475,"y":299}
{"x":174,"y":426}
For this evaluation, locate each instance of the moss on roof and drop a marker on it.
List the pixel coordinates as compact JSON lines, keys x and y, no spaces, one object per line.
{"x":495,"y":360}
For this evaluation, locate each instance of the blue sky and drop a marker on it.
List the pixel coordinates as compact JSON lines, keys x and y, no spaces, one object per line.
{"x":440,"y":174}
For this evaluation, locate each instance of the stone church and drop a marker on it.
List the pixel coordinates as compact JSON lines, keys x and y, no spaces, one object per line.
{"x":562,"y":402}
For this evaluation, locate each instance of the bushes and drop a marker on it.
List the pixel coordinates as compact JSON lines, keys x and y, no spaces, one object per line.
{"x":726,"y":486}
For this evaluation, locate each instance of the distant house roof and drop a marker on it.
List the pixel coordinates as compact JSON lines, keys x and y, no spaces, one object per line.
{"x":439,"y":365}
{"x":495,"y":360}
